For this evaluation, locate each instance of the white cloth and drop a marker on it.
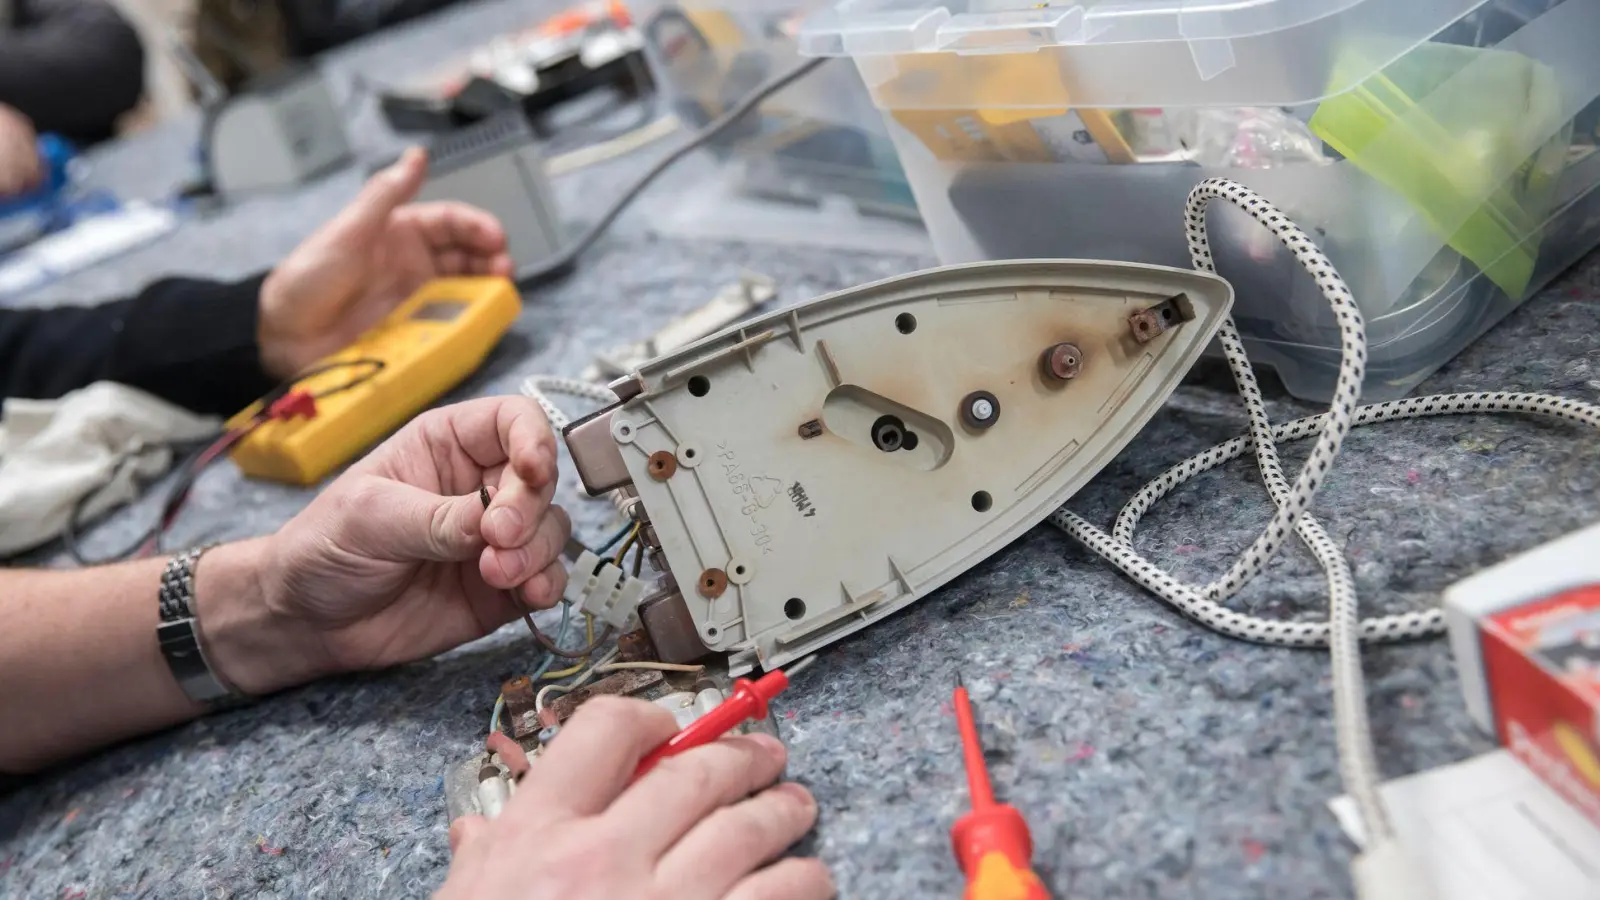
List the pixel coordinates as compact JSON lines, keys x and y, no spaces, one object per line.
{"x":101,"y":442}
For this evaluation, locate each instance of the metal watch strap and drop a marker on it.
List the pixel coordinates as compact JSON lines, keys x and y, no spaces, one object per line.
{"x":179,"y":632}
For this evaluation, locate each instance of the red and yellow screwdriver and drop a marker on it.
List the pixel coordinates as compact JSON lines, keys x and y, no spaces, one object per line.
{"x":992,"y":842}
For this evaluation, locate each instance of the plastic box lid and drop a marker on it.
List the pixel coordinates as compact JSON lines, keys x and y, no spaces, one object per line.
{"x":1121,"y":53}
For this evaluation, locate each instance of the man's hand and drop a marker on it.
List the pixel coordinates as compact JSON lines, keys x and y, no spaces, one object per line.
{"x":704,"y":825}
{"x":397,"y":559}
{"x":354,"y":270}
{"x":19,"y":153}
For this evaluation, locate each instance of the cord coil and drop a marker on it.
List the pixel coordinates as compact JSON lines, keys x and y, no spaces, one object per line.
{"x":1344,"y":630}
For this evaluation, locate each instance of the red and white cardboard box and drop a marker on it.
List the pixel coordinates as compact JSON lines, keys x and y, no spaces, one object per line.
{"x":1526,"y":638}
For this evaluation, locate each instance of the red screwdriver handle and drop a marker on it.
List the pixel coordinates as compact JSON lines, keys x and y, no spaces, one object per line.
{"x":749,"y":702}
{"x":991,"y":843}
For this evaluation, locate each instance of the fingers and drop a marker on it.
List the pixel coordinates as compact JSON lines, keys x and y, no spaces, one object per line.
{"x":465,"y":442}
{"x":684,"y":789}
{"x":735,"y":840}
{"x":20,"y":166}
{"x":493,"y":431}
{"x":390,"y":189}
{"x":516,"y":512}
{"x":466,"y":831}
{"x":511,"y":567}
{"x":18,"y":175}
{"x":456,"y":226}
{"x":464,"y":240}
{"x":788,"y":879}
{"x":543,"y":590}
{"x":404,"y":522}
{"x":591,"y":761}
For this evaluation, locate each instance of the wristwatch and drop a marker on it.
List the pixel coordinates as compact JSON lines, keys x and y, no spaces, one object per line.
{"x":179,"y":633}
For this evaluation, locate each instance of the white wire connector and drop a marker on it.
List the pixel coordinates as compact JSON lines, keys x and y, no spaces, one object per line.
{"x":605,"y":592}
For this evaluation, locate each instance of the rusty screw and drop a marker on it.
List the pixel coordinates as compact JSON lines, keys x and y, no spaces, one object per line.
{"x":1146,"y":325}
{"x":712,"y":583}
{"x":662,"y":465}
{"x":1062,"y":362}
{"x":811,"y":429}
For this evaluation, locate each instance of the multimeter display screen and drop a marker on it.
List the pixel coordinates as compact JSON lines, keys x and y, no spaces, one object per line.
{"x":439,"y":311}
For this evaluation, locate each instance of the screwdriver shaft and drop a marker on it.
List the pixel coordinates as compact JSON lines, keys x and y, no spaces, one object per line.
{"x":972,"y":753}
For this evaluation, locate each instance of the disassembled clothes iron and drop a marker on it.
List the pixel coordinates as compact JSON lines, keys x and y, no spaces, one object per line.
{"x":972,"y":400}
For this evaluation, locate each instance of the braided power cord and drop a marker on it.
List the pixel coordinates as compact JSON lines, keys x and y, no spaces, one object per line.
{"x":541,"y":388}
{"x":1344,"y":630}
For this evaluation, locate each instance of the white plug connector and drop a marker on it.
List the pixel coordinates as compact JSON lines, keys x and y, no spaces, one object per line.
{"x":605,"y":592}
{"x":1385,"y":871}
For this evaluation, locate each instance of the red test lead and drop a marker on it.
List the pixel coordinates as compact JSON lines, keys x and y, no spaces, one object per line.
{"x":748,"y":703}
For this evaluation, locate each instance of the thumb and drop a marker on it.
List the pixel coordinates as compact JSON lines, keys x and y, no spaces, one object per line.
{"x":407,"y":523}
{"x":391,"y":188}
{"x":465,"y":831}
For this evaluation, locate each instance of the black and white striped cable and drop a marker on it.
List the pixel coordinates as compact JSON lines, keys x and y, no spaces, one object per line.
{"x":1344,"y":630}
{"x":542,"y":388}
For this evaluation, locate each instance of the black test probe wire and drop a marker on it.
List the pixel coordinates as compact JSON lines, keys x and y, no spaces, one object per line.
{"x":562,"y":261}
{"x":283,"y":403}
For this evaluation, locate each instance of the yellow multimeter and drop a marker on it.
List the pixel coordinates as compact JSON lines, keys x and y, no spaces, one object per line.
{"x":426,"y":346}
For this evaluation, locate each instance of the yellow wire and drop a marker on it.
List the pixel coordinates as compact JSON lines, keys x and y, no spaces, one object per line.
{"x":588,"y":638}
{"x":564,"y":673}
{"x":657,"y":666}
{"x":626,"y":543}
{"x":588,"y":620}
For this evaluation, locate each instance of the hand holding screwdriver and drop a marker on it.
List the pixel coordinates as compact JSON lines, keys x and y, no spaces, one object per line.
{"x":992,"y":842}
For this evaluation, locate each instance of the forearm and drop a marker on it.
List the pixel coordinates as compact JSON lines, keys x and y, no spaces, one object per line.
{"x":191,"y":342}
{"x":81,"y":666}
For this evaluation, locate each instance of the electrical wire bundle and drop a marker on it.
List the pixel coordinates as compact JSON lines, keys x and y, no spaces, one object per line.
{"x":584,"y":670}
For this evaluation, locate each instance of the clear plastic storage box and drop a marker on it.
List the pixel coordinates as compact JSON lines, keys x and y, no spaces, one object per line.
{"x":814,"y":164}
{"x":1442,"y":151}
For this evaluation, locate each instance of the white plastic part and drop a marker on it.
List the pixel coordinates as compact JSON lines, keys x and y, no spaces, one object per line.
{"x":1386,"y":871}
{"x":833,"y":533}
{"x":687,"y":706}
{"x":492,"y":795}
{"x":605,"y":592}
{"x":732,"y":303}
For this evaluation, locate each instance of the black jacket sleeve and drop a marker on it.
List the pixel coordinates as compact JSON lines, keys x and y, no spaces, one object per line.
{"x":187,"y":341}
{"x":71,"y":66}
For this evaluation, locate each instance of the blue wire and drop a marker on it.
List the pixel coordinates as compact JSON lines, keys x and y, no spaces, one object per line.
{"x":614,"y":539}
{"x":561,"y":635}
